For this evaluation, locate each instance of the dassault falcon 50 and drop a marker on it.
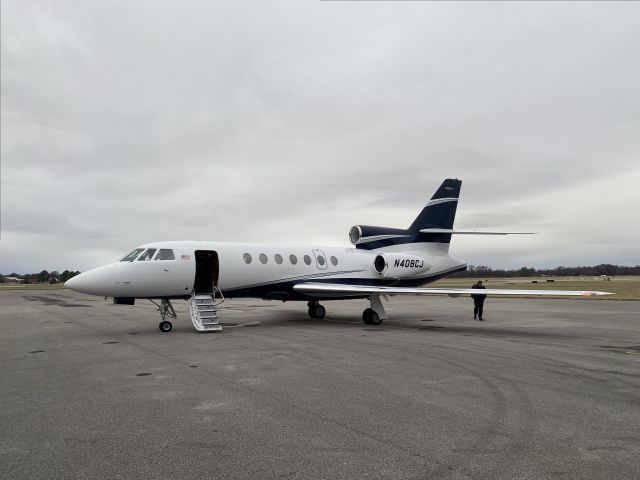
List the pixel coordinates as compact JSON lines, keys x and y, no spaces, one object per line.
{"x":385,"y":261}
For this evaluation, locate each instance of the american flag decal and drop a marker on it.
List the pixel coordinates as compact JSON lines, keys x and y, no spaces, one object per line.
{"x":185,"y":257}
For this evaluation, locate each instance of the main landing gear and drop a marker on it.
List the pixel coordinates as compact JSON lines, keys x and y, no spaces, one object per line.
{"x":316,"y":310}
{"x":373,"y":315}
{"x":370,"y":317}
{"x":376,"y":314}
{"x":166,"y":310}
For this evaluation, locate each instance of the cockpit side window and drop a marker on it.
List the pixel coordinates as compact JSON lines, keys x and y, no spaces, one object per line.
{"x":133,"y":255}
{"x":147,"y":255}
{"x":165,"y":254}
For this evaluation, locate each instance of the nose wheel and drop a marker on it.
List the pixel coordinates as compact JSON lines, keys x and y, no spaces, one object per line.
{"x":165,"y":326}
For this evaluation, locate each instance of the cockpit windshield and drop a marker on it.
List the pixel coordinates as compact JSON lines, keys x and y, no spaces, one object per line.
{"x":133,"y":255}
{"x":162,"y":254}
{"x":147,"y":255}
{"x":165,"y":254}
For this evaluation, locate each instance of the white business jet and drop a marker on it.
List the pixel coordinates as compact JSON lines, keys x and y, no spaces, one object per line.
{"x":385,"y":261}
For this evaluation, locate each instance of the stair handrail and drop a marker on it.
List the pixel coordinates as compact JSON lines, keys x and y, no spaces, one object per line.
{"x":216,"y":289}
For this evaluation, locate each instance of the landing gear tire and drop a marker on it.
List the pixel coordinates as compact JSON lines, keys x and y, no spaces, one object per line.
{"x":370,"y":317}
{"x":165,"y":326}
{"x":317,"y":311}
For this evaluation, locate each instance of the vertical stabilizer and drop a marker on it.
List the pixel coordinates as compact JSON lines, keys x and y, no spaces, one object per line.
{"x":440,"y":211}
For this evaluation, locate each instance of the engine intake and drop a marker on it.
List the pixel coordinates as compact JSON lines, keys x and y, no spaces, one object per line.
{"x":371,"y":236}
{"x":399,"y":265}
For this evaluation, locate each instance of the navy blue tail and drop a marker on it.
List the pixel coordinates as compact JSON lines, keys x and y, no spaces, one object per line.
{"x":439,"y":212}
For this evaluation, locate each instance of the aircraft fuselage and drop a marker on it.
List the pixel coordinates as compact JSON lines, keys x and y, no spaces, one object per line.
{"x":261,"y":271}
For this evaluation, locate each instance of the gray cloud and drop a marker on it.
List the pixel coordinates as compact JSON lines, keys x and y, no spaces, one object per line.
{"x":124,"y":122}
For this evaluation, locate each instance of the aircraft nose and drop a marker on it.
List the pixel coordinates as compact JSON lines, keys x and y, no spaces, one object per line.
{"x":99,"y":281}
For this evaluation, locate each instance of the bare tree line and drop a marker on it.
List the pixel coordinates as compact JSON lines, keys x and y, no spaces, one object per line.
{"x":474,"y":271}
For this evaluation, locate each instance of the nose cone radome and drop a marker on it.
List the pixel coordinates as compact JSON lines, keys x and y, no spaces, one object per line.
{"x":99,"y":281}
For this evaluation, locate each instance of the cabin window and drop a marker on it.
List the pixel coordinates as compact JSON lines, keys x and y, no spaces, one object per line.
{"x":133,"y":255}
{"x":147,"y":255}
{"x":247,"y":258}
{"x":321,"y":260}
{"x":293,"y":259}
{"x":334,"y":261}
{"x":165,"y":254}
{"x":278,"y":258}
{"x":307,"y":259}
{"x":263,"y":258}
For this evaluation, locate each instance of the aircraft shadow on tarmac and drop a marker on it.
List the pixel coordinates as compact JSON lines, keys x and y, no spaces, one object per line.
{"x":341,"y":321}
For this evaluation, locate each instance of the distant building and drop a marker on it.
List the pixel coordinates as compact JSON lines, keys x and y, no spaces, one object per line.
{"x":13,"y":280}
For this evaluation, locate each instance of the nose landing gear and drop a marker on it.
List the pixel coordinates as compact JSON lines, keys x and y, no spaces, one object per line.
{"x":166,"y":310}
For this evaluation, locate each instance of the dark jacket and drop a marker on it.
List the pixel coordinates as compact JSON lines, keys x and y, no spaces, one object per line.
{"x":478,"y":297}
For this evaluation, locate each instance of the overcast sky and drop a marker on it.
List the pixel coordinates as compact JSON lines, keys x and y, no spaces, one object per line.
{"x":290,"y":121}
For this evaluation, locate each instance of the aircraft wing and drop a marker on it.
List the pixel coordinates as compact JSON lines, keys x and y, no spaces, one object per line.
{"x":451,"y":231}
{"x":336,"y":289}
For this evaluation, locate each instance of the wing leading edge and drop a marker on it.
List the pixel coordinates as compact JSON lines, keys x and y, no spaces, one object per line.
{"x":322,"y":289}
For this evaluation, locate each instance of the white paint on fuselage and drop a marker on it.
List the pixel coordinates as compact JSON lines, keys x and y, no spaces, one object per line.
{"x":173,"y":278}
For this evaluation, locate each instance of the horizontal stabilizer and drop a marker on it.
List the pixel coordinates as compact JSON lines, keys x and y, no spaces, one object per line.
{"x":324,"y":289}
{"x":451,"y":231}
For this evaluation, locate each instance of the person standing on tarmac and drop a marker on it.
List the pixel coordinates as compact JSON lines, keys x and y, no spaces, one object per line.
{"x":478,"y":301}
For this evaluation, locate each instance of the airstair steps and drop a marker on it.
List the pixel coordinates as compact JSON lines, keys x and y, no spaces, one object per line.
{"x":203,"y":313}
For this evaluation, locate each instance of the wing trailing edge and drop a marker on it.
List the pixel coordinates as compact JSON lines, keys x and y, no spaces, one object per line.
{"x":451,"y":231}
{"x":320,"y":289}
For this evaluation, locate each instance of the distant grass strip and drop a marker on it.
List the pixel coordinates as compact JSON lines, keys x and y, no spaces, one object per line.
{"x":31,"y":286}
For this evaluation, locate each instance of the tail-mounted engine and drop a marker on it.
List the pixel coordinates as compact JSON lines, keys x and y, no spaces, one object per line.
{"x":370,"y":237}
{"x":399,"y":265}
